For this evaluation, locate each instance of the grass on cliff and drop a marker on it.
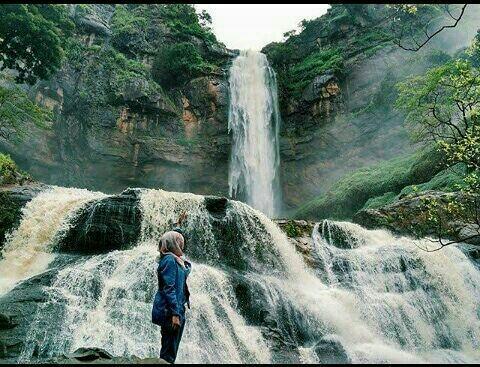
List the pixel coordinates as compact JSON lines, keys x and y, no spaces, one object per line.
{"x":381,"y":181}
{"x":448,"y":180}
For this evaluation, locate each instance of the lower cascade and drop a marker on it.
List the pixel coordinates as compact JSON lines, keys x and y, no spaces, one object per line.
{"x":368,"y":296}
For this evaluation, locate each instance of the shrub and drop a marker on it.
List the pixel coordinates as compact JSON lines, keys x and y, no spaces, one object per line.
{"x":176,"y":63}
{"x":9,"y":172}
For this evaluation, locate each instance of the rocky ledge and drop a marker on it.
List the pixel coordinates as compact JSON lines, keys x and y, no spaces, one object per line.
{"x":409,"y":216}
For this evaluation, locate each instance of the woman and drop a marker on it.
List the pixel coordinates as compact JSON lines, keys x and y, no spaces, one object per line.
{"x":172,"y":295}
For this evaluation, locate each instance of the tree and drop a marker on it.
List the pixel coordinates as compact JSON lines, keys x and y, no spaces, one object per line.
{"x":177,"y":63}
{"x":443,"y":106}
{"x":32,"y":38}
{"x":414,"y":25}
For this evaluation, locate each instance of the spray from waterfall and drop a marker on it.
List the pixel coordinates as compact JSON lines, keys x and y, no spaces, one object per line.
{"x":254,"y":121}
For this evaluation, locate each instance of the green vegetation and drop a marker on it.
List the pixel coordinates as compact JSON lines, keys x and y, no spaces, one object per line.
{"x":292,"y":230}
{"x":10,"y":210}
{"x":448,"y":180}
{"x":345,"y":34}
{"x":379,"y":201}
{"x":108,"y":75}
{"x":302,"y":73}
{"x":16,"y":108}
{"x":9,"y":172}
{"x":352,"y":192}
{"x":128,"y":30}
{"x":176,"y":63}
{"x":443,"y":106}
{"x":32,"y":37}
{"x":170,"y":33}
{"x":184,"y":21}
{"x":136,"y":29}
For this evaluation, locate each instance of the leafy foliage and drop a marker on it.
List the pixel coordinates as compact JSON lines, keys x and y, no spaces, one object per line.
{"x":107,"y":75}
{"x":9,"y":172}
{"x":32,"y":38}
{"x":183,"y":20}
{"x":177,"y":63}
{"x":128,"y":30}
{"x":136,"y":28}
{"x":443,"y":106}
{"x":301,"y":74}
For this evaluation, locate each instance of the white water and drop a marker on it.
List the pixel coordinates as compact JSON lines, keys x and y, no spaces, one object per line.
{"x":383,"y":300}
{"x":27,"y":249}
{"x":254,"y":121}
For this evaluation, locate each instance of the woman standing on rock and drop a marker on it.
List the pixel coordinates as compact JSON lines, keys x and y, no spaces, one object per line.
{"x":169,"y":305}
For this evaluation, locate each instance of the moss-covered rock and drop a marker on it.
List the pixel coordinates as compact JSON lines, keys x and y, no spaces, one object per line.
{"x":352,"y":192}
{"x":411,"y":216}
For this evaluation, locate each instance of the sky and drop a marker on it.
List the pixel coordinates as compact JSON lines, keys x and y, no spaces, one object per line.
{"x":252,"y":26}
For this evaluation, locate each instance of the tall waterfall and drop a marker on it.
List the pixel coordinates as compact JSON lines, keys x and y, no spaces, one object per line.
{"x":254,"y":121}
{"x":369,"y":297}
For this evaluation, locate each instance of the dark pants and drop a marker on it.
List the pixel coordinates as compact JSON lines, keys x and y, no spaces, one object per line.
{"x":170,"y":342}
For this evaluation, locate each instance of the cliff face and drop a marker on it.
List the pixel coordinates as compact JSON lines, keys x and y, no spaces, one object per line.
{"x":337,"y":81}
{"x":114,"y":125}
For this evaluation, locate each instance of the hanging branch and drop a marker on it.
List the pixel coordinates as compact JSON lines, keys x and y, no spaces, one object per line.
{"x":418,"y":44}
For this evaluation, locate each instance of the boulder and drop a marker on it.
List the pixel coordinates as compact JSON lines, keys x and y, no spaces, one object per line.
{"x":112,"y":223}
{"x":331,"y":351}
{"x":17,"y":311}
{"x":322,"y":86}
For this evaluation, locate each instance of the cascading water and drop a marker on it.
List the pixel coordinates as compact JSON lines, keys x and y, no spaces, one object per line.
{"x":372,"y":297}
{"x":254,"y":120}
{"x":28,"y":249}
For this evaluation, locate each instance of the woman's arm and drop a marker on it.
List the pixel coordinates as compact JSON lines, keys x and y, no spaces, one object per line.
{"x":168,"y":271}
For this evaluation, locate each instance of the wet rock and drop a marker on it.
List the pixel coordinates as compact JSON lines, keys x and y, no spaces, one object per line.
{"x":18,"y":308}
{"x":100,"y":356}
{"x":216,"y":205}
{"x":331,"y":352}
{"x":299,"y":233}
{"x":340,"y":237}
{"x":112,"y":223}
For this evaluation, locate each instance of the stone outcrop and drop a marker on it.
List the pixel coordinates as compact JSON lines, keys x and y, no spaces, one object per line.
{"x":140,"y":135}
{"x":409,"y":216}
{"x":18,"y":308}
{"x":112,"y":223}
{"x":299,"y":233}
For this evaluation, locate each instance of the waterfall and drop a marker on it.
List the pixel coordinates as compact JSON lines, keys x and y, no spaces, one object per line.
{"x":27,"y":250}
{"x":254,"y":120}
{"x":372,"y":297}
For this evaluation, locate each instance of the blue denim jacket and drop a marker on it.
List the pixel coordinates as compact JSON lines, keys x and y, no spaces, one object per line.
{"x":172,"y":294}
